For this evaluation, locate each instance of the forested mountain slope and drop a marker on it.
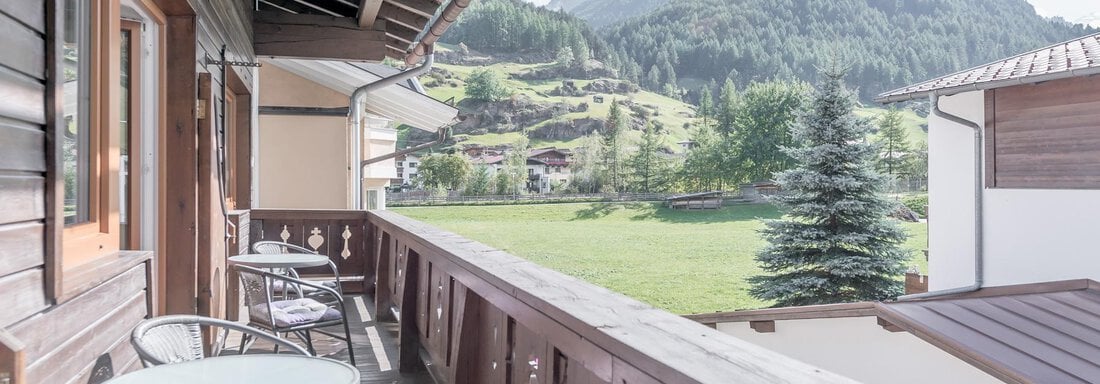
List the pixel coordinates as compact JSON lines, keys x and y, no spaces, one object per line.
{"x":600,"y":13}
{"x":888,"y":43}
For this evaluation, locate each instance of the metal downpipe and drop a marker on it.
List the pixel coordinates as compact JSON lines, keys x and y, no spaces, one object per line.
{"x":356,"y":106}
{"x":979,"y":141}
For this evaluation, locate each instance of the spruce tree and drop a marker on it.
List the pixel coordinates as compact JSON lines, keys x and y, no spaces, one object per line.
{"x":893,"y":142}
{"x":647,"y":163}
{"x":836,"y":243}
{"x":611,"y":147}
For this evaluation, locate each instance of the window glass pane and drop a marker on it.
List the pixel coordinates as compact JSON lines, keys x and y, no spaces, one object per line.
{"x":124,"y":178}
{"x":372,"y":199}
{"x":76,"y":154}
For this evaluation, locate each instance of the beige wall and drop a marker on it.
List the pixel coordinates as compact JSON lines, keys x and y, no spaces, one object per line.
{"x":857,"y":347}
{"x":303,"y":162}
{"x":282,"y":88}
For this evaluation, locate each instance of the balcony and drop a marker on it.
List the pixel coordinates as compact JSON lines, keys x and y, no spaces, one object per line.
{"x":443,"y":306}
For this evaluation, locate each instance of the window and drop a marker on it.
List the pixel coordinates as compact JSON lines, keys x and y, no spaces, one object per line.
{"x":412,"y":165}
{"x":90,"y":135}
{"x":400,"y":163}
{"x":76,"y":135}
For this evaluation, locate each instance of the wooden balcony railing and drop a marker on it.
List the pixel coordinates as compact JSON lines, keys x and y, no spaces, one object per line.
{"x":338,"y":234}
{"x":479,"y":315}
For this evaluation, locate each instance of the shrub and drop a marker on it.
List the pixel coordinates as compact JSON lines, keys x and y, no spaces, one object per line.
{"x":917,"y":203}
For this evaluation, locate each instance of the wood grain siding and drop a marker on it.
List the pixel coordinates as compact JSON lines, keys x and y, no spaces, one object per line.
{"x":24,"y":293}
{"x":21,"y":97}
{"x":1045,"y":135}
{"x":30,"y":45}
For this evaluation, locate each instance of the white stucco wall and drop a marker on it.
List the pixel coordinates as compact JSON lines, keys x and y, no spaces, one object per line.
{"x":951,"y":193}
{"x":1031,"y":235}
{"x":857,"y":347}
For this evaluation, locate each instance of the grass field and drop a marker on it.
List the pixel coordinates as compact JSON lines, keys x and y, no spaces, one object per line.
{"x":683,"y":262}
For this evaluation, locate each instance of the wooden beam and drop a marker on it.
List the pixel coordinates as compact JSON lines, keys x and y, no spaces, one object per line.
{"x":315,"y":37}
{"x":406,"y":35}
{"x":181,"y":190}
{"x":424,"y":8}
{"x":763,"y":326}
{"x":368,"y":13}
{"x":887,"y":325}
{"x":400,"y":16}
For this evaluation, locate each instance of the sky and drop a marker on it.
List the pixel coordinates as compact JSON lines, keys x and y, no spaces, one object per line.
{"x":1071,"y":10}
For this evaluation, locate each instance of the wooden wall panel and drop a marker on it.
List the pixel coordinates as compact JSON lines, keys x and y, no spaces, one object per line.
{"x":32,"y":13}
{"x":24,"y":198}
{"x":30,"y":45}
{"x":21,"y":247}
{"x":1045,"y":135}
{"x":21,"y":97}
{"x":23,"y":147}
{"x":25,"y":295}
{"x":68,"y":360}
{"x":46,"y":332}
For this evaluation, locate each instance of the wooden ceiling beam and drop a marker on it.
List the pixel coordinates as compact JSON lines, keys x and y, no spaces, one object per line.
{"x":368,"y":13}
{"x":424,"y":8}
{"x":401,"y":32}
{"x":278,"y":34}
{"x":400,"y":16}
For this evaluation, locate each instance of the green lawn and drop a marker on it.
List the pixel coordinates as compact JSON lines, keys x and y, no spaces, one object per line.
{"x":684,"y":262}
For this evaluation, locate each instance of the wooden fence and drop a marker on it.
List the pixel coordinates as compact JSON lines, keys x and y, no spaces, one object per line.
{"x":480,"y":315}
{"x":416,"y":199}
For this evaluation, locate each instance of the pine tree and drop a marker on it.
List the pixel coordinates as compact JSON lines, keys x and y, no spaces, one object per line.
{"x":611,"y":148}
{"x":837,"y":244}
{"x":893,"y":143}
{"x":706,"y":105}
{"x":647,"y":163}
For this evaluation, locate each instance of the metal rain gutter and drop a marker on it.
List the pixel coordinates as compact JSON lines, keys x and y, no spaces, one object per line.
{"x":979,"y":214}
{"x":436,"y":30}
{"x":439,"y":140}
{"x":357,"y":98}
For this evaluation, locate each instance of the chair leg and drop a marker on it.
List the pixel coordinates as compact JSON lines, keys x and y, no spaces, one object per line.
{"x":246,"y":342}
{"x":277,"y":345}
{"x":351,"y":349}
{"x":309,"y":343}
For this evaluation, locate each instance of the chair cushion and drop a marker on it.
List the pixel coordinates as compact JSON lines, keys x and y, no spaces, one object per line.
{"x":289,"y":313}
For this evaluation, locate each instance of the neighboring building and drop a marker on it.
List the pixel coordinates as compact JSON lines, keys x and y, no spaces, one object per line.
{"x":1028,"y":194}
{"x":306,"y":108}
{"x":406,"y":169}
{"x":546,"y":167}
{"x":687,"y":144}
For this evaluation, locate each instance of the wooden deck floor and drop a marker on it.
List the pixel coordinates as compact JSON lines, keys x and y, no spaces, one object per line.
{"x":375,"y":346}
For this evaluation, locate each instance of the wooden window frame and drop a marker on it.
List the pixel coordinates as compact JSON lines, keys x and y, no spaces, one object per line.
{"x":133,"y":193}
{"x":86,"y":254}
{"x":83,"y":243}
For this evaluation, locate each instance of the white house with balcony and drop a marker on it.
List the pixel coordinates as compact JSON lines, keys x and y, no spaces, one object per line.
{"x":1014,"y":210}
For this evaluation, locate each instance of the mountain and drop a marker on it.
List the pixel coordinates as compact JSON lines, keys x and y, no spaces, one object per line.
{"x":601,"y":13}
{"x":516,"y":28}
{"x":887,"y":43}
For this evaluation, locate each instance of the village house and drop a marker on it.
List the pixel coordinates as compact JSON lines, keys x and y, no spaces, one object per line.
{"x":77,"y":276}
{"x":547,"y":168}
{"x":1014,"y":181}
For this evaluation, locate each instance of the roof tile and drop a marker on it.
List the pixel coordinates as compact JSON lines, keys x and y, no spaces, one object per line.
{"x":1057,"y":61}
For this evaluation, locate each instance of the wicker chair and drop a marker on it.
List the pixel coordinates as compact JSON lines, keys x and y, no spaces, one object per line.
{"x":178,"y":338}
{"x":277,"y":247}
{"x":300,"y":316}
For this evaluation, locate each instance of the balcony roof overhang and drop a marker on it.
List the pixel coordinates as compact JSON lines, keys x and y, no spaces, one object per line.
{"x":406,"y":103}
{"x":359,"y":30}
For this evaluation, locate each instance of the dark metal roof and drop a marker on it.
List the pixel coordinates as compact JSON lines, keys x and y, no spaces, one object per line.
{"x":1077,"y":57}
{"x":1036,"y":333}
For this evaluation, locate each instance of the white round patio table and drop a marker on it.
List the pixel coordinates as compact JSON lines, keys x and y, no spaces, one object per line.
{"x":267,"y":369}
{"x":280,"y":260}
